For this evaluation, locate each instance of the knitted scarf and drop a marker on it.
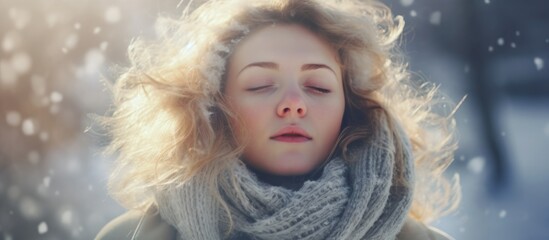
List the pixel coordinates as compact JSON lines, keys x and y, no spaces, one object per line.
{"x":351,"y":200}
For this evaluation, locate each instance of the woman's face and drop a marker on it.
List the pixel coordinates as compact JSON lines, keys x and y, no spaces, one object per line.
{"x":285,"y":84}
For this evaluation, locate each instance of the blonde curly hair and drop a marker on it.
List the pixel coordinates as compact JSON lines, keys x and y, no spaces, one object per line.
{"x":171,"y":121}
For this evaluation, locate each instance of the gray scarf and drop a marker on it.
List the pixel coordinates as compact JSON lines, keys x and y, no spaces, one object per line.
{"x":351,"y":200}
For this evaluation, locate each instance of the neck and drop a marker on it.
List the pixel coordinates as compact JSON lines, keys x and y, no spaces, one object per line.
{"x":292,"y":182}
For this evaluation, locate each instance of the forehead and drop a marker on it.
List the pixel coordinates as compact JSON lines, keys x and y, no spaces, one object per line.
{"x":283,"y":43}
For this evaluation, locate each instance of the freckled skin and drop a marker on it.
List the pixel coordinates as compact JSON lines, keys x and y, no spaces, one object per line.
{"x":285,"y":76}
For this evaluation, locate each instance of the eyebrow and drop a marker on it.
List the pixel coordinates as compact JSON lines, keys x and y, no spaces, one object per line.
{"x":272,"y":65}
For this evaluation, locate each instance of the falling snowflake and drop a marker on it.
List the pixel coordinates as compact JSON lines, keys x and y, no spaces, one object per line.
{"x":51,"y":20}
{"x":112,"y":14}
{"x":487,"y":1}
{"x":539,"y":63}
{"x":413,"y":13}
{"x":103,"y":46}
{"x":517,"y":33}
{"x":21,"y":62}
{"x":66,"y":217}
{"x":476,"y":165}
{"x":94,"y":59}
{"x":435,"y":18}
{"x":502,"y":214}
{"x":96,"y":30}
{"x":13,"y":118}
{"x":490,"y":49}
{"x":10,"y":41}
{"x":29,"y":208}
{"x":42,"y":228}
{"x":77,"y":26}
{"x":46,"y":181}
{"x":56,"y":97}
{"x":406,"y":3}
{"x":501,"y":41}
{"x":513,"y":45}
{"x":28,"y":127}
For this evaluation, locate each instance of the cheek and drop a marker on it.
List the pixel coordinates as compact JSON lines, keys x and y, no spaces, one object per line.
{"x":329,"y":117}
{"x":252,"y":117}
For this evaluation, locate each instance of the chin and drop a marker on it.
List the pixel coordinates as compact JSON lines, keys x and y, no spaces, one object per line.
{"x":292,"y":170}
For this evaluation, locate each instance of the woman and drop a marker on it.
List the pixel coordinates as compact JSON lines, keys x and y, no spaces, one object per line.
{"x":287,"y":119}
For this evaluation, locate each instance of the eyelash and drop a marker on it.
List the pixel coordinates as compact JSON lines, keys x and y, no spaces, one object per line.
{"x":254,"y":89}
{"x":315,"y":89}
{"x":319,"y":90}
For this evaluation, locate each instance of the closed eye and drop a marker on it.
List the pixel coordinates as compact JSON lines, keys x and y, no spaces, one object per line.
{"x":319,"y":90}
{"x":255,"y":89}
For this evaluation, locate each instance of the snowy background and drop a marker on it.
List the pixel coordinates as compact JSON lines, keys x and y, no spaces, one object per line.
{"x":53,"y":54}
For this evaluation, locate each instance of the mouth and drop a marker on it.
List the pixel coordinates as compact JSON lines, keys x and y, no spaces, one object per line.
{"x":292,"y":134}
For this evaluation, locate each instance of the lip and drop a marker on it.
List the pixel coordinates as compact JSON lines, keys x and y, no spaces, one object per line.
{"x":293,"y":134}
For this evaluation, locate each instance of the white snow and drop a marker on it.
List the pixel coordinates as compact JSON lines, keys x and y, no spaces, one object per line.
{"x":13,"y":118}
{"x":56,"y":97}
{"x":77,"y":26}
{"x":539,"y":63}
{"x":487,"y":1}
{"x":30,"y":209}
{"x":501,"y":41}
{"x":406,"y":3}
{"x":94,"y":59}
{"x":435,"y":18}
{"x":103,"y":46}
{"x":490,"y":49}
{"x":51,"y":19}
{"x":476,"y":165}
{"x":21,"y":62}
{"x":502,"y":214}
{"x":9,"y":42}
{"x":413,"y":13}
{"x":112,"y":14}
{"x":42,"y":228}
{"x":28,"y":127}
{"x":66,"y":217}
{"x":96,"y":30}
{"x":46,"y":181}
{"x":513,"y":45}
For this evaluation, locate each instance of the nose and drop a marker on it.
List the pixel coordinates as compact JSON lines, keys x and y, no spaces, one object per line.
{"x":292,"y":104}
